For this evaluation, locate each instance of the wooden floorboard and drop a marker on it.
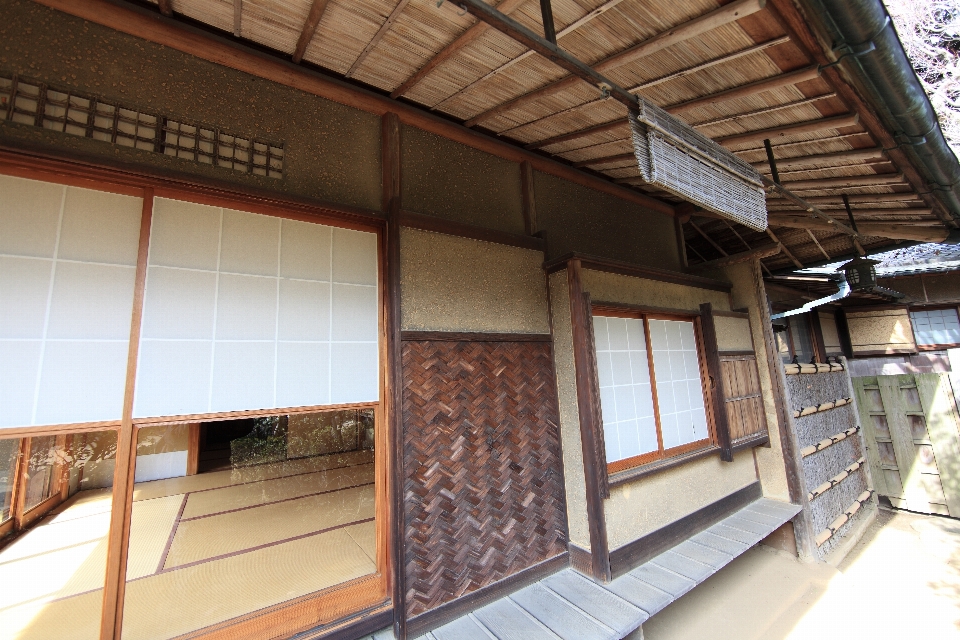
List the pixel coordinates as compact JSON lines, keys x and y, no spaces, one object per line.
{"x":570,"y":606}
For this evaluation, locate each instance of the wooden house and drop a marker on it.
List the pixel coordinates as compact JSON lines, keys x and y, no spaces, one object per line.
{"x":325,"y":318}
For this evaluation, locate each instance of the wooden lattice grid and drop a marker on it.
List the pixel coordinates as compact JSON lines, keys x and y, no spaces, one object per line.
{"x":34,"y":103}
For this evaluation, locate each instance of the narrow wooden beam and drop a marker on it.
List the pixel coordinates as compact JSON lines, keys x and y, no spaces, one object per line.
{"x":926,"y":211}
{"x":237,"y":17}
{"x":377,"y":37}
{"x":820,"y":158}
{"x":528,"y":198}
{"x":765,"y":110}
{"x":737,"y":258}
{"x":697,"y":228}
{"x":309,"y":28}
{"x":750,"y":89}
{"x":546,"y":14}
{"x":698,"y":26}
{"x":708,"y":333}
{"x":166,"y":7}
{"x":783,"y":248}
{"x":817,"y":242}
{"x":470,"y":35}
{"x":620,"y":157}
{"x":811,"y":126}
{"x":836,"y":202}
{"x":902,"y":231}
{"x":842,"y":183}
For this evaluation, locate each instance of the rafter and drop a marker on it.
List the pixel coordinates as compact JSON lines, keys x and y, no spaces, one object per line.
{"x":708,"y":238}
{"x":810,"y":126}
{"x":470,"y":35}
{"x":817,"y":242}
{"x":166,"y":7}
{"x":309,"y":28}
{"x":749,"y":89}
{"x":707,"y":22}
{"x":377,"y":37}
{"x":842,"y":183}
{"x":670,"y":76}
{"x":926,"y":211}
{"x":570,"y":28}
{"x":606,"y":159}
{"x":586,"y":131}
{"x":759,"y":112}
{"x":237,"y":17}
{"x":806,"y":161}
{"x":783,"y":248}
{"x":875,"y":229}
{"x":855,"y":199}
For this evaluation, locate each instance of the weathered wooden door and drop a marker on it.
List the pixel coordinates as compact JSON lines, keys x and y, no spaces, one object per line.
{"x":913,"y":440}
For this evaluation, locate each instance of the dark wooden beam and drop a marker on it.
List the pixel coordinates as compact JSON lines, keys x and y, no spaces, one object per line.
{"x":549,"y":29}
{"x":237,"y":17}
{"x":606,"y":159}
{"x":470,"y":35}
{"x":165,"y":6}
{"x":896,"y":231}
{"x":528,"y":198}
{"x":377,"y":37}
{"x":697,"y":228}
{"x":817,"y":242}
{"x":680,"y":33}
{"x":309,"y":28}
{"x":783,"y":248}
{"x":580,"y":133}
{"x":750,"y":89}
{"x":820,"y":158}
{"x":836,"y":202}
{"x":708,"y":333}
{"x":845,"y":182}
{"x":812,"y":126}
{"x":737,"y":258}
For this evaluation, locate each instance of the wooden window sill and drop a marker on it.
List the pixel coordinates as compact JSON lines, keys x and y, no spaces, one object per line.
{"x":635,"y":473}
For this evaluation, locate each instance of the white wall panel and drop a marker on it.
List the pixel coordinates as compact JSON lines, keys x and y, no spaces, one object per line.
{"x":67,"y":270}
{"x":157,"y":466}
{"x":293,"y":310}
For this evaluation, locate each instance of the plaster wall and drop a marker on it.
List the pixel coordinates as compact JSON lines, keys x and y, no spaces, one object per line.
{"x":449,"y":283}
{"x":449,"y":180}
{"x":575,"y":218}
{"x":638,"y":508}
{"x":573,"y":475}
{"x":154,"y":440}
{"x":332,"y":152}
{"x":831,"y":335}
{"x":733,"y":334}
{"x":880,"y":330}
{"x":770,"y":463}
{"x":612,"y":287}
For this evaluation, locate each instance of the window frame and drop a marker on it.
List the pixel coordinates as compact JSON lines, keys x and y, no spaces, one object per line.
{"x":661,"y":455}
{"x":935,"y":346}
{"x":367,"y":595}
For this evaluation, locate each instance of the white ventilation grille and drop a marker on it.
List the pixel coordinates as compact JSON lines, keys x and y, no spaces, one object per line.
{"x":680,"y":160}
{"x":36,"y":104}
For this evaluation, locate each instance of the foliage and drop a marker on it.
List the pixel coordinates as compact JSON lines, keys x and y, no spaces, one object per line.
{"x":930,"y":33}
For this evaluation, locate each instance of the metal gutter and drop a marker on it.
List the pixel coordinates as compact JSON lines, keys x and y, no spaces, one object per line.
{"x":866,"y":47}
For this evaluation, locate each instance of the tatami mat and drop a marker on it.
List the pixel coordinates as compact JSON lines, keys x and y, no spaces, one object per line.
{"x":240,"y":496}
{"x":239,"y":530}
{"x":216,"y":479}
{"x":365,"y":535}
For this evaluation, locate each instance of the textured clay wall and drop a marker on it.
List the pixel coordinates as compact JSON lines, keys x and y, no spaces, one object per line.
{"x":449,"y":180}
{"x":941,"y":287}
{"x":733,"y":334}
{"x":332,"y":152}
{"x":573,"y":475}
{"x":771,"y":466}
{"x":880,"y":330}
{"x":576,"y":218}
{"x":610,"y":287}
{"x":448,"y":283}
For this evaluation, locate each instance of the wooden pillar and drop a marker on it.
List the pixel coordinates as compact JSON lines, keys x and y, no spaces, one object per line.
{"x":528,"y":198}
{"x":816,"y":331}
{"x":590,"y":422}
{"x":393,"y":393}
{"x":193,"y":448}
{"x":118,"y":537}
{"x":717,"y":395}
{"x":792,"y":462}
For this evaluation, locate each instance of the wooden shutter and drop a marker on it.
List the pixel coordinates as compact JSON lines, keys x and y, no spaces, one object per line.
{"x":742,"y":397}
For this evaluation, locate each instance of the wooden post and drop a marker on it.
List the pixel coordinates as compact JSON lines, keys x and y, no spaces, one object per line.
{"x":594,"y":476}
{"x":819,"y":346}
{"x":528,"y":198}
{"x":22,"y":477}
{"x":712,"y":354}
{"x":793,"y":467}
{"x":393,"y":392}
{"x":193,"y":448}
{"x":118,"y":537}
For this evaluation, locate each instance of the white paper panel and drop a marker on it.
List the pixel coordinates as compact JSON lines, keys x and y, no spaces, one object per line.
{"x":938,"y":326}
{"x":271,"y":328}
{"x":679,"y":389}
{"x":67,"y":269}
{"x":626,"y":397}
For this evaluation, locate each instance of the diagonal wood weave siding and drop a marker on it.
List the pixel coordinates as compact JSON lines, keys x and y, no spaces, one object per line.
{"x":483,"y":481}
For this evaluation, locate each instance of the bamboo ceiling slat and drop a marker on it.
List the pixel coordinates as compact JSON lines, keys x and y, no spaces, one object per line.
{"x":216,"y":13}
{"x":274,"y":24}
{"x":569,"y":121}
{"x":598,"y":150}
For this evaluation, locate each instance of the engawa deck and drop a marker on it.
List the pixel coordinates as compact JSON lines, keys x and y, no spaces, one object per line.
{"x":570,"y":606}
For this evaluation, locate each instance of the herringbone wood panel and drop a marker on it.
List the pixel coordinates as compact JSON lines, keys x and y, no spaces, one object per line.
{"x":483,"y":482}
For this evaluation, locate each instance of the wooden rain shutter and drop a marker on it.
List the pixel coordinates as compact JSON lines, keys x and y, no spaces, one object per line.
{"x":742,"y":398}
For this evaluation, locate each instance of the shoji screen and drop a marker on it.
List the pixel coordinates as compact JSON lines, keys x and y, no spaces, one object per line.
{"x":626,"y":398}
{"x":679,"y":388}
{"x":67,"y":268}
{"x":246,"y":311}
